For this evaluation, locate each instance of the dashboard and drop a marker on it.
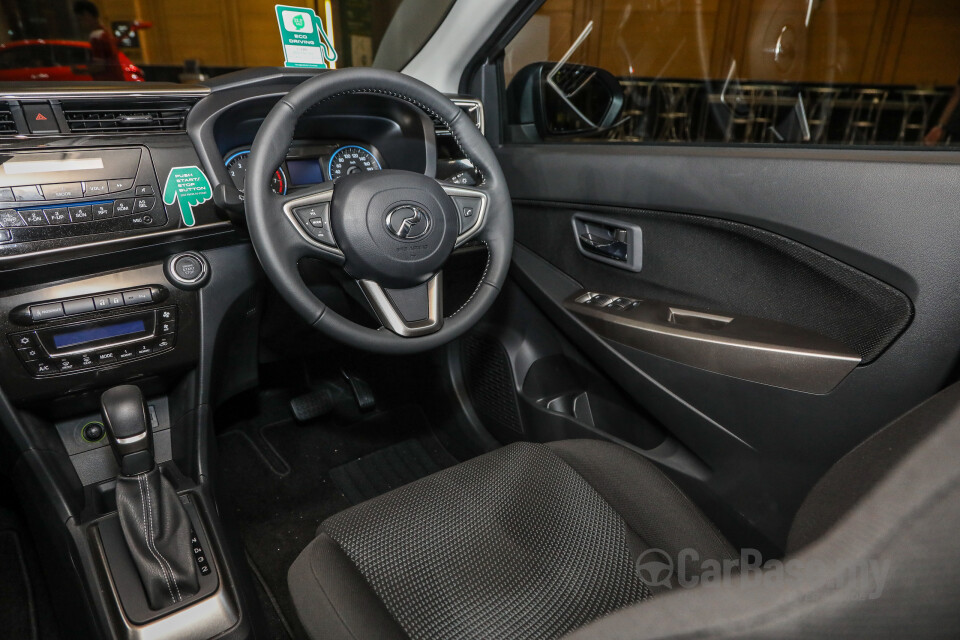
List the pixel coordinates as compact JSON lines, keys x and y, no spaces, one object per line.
{"x":102,"y":262}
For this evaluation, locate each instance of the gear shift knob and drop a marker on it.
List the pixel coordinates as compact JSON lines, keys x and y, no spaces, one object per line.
{"x":128,"y":428}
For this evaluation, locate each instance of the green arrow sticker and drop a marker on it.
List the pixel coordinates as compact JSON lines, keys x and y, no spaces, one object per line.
{"x":305,"y":43}
{"x":188,"y":187}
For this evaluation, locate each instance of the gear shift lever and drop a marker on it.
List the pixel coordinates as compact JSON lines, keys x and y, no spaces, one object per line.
{"x":154,"y":522}
{"x":128,"y":429}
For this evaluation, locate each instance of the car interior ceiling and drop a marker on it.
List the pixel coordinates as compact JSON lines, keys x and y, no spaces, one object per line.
{"x":565,"y":349}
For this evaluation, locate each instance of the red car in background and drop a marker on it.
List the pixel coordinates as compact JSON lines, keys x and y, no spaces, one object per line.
{"x":54,"y":60}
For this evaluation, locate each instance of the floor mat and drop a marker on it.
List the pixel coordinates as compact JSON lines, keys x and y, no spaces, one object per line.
{"x":18,"y":617}
{"x":389,"y":468}
{"x":275,"y":486}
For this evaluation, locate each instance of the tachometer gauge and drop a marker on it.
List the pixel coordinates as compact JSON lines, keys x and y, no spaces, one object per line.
{"x":237,"y":168}
{"x":351,"y":159}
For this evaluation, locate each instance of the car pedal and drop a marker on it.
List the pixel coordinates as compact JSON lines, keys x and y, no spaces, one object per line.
{"x":362,"y":392}
{"x":318,"y":403}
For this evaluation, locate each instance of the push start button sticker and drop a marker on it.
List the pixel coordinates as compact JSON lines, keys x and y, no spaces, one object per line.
{"x":188,"y":187}
{"x":305,"y":43}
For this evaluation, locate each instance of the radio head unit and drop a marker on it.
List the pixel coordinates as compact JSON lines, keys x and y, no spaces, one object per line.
{"x":50,"y":195}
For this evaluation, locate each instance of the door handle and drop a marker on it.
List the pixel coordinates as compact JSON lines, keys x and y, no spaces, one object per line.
{"x":614,"y":248}
{"x":609,"y":240}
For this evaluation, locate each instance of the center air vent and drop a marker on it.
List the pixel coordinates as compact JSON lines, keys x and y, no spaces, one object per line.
{"x":7,"y":125}
{"x":113,"y":118}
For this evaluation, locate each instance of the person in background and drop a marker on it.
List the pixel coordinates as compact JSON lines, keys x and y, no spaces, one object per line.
{"x":947,"y":123}
{"x":105,"y":57}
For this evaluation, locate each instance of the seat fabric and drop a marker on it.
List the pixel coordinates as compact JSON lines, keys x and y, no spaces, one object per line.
{"x":528,"y":541}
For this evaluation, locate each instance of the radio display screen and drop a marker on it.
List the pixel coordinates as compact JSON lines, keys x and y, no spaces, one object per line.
{"x":91,"y":334}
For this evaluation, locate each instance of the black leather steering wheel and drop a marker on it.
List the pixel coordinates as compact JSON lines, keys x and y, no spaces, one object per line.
{"x":391,"y":231}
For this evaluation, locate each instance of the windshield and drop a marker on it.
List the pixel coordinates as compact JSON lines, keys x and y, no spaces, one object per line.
{"x":192,"y":40}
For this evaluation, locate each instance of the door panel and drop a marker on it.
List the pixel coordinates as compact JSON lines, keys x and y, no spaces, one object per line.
{"x":857,"y":246}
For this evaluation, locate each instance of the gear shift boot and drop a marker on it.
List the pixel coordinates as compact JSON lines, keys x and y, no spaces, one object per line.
{"x":155,"y":525}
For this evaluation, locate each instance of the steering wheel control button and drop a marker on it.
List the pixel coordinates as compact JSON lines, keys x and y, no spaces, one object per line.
{"x":469,"y":210}
{"x":103,"y":211}
{"x":92,"y":431}
{"x":315,"y":220}
{"x":187,"y":271}
{"x":40,"y":312}
{"x":116,"y":185}
{"x":63,"y":191}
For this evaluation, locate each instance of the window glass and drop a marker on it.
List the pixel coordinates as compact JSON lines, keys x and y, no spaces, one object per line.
{"x":190,"y":40}
{"x":826,"y":72}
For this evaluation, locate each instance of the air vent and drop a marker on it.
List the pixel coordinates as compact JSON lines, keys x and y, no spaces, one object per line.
{"x":473,"y":108}
{"x":111,"y":117}
{"x":7,"y":125}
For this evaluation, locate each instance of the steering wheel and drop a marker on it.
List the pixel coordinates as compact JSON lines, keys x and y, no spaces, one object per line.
{"x":391,"y":231}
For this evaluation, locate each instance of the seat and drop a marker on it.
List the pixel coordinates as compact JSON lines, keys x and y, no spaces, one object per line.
{"x":540,"y":541}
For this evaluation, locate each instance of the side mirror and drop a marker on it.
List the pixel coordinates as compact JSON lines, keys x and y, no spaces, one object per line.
{"x":564,"y":100}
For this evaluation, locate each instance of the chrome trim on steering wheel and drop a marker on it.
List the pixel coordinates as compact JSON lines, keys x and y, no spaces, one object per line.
{"x":466,"y":192}
{"x":391,"y":318}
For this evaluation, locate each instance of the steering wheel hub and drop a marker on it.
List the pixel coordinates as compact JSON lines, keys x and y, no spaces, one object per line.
{"x":395,"y":228}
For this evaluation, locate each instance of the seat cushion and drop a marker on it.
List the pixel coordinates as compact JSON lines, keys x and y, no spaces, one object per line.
{"x":513,"y":544}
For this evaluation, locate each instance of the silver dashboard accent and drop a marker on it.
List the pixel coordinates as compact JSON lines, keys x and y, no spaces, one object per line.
{"x":763,"y":351}
{"x":391,"y":318}
{"x":130,"y":90}
{"x":473,"y":108}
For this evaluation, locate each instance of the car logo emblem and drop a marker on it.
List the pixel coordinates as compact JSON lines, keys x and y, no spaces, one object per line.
{"x":408,"y":222}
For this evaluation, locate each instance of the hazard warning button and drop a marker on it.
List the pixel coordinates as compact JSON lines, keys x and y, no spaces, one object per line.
{"x":40,"y":118}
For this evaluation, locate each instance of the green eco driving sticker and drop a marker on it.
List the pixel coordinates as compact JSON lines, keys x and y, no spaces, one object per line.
{"x":188,"y":186}
{"x":305,"y":43}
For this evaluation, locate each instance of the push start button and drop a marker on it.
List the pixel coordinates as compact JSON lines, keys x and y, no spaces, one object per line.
{"x":187,"y":270}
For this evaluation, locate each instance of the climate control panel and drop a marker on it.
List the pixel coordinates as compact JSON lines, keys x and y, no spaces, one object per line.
{"x":99,"y":343}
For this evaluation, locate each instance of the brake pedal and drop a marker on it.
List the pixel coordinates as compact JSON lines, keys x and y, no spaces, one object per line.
{"x":362,"y":392}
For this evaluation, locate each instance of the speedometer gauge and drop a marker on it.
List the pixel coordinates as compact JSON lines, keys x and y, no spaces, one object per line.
{"x":237,"y":168}
{"x":351,"y":159}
